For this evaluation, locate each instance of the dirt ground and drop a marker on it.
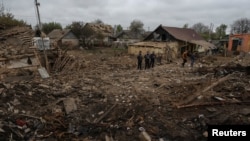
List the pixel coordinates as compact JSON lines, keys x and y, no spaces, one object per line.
{"x":107,"y":99}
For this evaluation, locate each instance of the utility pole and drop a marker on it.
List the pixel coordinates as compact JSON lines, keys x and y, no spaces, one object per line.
{"x":38,"y":15}
{"x":40,"y":28}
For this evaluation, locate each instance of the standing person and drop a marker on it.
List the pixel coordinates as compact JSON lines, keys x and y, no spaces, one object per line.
{"x":152,"y":59}
{"x":184,"y":57}
{"x":139,"y":60}
{"x":192,"y":58}
{"x":147,"y":60}
{"x":159,"y":57}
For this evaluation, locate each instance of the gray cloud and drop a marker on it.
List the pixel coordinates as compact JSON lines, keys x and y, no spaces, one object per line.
{"x":151,"y":12}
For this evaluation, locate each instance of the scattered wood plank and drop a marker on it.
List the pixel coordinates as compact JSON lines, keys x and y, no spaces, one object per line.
{"x":38,"y":58}
{"x":191,"y":98}
{"x":105,"y":114}
{"x":214,"y":103}
{"x":44,"y":108}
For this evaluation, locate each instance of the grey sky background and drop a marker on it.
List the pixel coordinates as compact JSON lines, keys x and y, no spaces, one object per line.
{"x":152,"y":13}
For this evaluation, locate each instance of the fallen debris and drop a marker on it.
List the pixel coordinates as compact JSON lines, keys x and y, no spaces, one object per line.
{"x":69,"y":105}
{"x":105,"y":114}
{"x":96,"y":95}
{"x":189,"y":99}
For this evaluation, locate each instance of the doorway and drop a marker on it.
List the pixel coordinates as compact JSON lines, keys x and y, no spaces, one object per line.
{"x":235,"y":44}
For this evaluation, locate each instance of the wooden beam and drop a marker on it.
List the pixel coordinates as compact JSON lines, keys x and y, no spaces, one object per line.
{"x":191,"y":98}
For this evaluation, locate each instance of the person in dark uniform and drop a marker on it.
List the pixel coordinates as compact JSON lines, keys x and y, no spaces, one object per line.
{"x":152,"y":59}
{"x":139,"y":61}
{"x":147,"y":60}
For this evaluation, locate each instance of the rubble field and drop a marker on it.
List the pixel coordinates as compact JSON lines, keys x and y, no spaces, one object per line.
{"x":107,"y":99}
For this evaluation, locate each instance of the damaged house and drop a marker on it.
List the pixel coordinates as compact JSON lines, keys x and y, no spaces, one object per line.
{"x":239,"y":42}
{"x":63,"y":38}
{"x":15,"y":48}
{"x":98,"y":34}
{"x":127,"y":37}
{"x":171,"y":42}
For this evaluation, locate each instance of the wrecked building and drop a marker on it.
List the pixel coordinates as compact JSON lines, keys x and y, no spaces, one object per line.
{"x":175,"y":39}
{"x":64,"y":37}
{"x":239,"y":42}
{"x":15,"y":48}
{"x":96,"y":96}
{"x":98,"y":34}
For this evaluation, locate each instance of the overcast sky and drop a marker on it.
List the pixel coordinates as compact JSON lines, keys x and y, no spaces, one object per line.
{"x":152,"y":13}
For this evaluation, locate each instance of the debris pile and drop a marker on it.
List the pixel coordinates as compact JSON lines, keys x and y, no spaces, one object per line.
{"x":94,"y":96}
{"x":17,"y":36}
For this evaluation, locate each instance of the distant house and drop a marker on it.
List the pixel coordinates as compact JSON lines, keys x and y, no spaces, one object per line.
{"x":127,"y":35}
{"x":171,"y":39}
{"x":65,"y":38}
{"x":98,"y":33}
{"x":239,"y":42}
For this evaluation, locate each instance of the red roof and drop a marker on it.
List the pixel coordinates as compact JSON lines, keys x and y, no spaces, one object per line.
{"x":183,"y":34}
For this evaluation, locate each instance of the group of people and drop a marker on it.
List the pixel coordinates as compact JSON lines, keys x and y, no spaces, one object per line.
{"x":149,"y":60}
{"x":187,"y":54}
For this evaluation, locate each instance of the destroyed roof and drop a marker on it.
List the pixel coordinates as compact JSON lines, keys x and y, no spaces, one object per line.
{"x":101,"y":28}
{"x":17,"y":36}
{"x":17,"y":30}
{"x":58,"y":33}
{"x":184,"y":34}
{"x":189,"y":35}
{"x":203,"y":43}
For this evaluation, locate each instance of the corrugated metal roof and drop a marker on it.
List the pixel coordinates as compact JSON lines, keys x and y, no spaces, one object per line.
{"x":184,"y":34}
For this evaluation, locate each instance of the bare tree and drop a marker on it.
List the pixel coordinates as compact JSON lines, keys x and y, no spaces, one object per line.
{"x":200,"y":28}
{"x":136,"y":27}
{"x":241,"y":26}
{"x":221,"y":31}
